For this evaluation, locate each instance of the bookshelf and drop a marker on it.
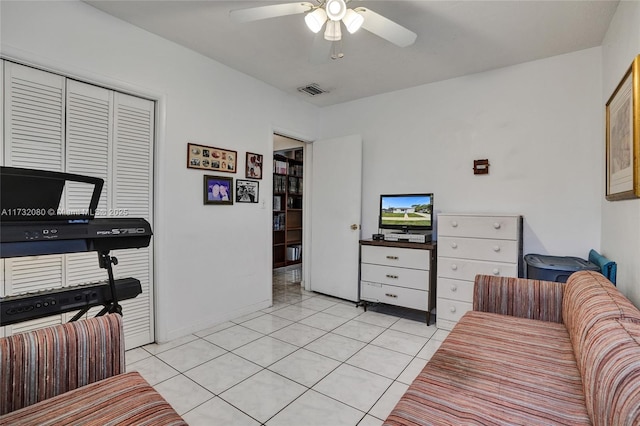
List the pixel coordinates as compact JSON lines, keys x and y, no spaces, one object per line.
{"x":287,"y":207}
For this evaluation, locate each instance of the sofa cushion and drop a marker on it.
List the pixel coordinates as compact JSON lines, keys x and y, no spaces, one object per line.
{"x":497,"y":370}
{"x":612,"y":380}
{"x":43,"y":363}
{"x":125,"y":399}
{"x":518,"y":297}
{"x":589,"y":298}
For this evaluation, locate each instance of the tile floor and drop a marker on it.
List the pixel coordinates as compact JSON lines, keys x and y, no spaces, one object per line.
{"x":308,"y":360}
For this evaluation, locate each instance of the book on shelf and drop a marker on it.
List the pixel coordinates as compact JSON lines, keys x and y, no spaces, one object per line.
{"x":294,"y":253}
{"x":278,"y":221}
{"x":281,"y":167}
{"x":277,"y":202}
{"x":295,"y":170}
{"x":295,"y":185}
{"x":279,"y":183}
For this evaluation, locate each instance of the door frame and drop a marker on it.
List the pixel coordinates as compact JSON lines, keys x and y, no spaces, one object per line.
{"x":307,"y":157}
{"x":307,"y":201}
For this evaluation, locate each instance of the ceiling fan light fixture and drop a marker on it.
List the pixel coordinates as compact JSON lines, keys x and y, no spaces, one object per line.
{"x":316,"y":19}
{"x":333,"y":32}
{"x":352,"y":20}
{"x":336,"y":9}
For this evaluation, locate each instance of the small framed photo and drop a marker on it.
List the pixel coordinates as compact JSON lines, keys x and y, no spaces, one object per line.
{"x":211,"y":158}
{"x":218,"y":190}
{"x":246,"y":191}
{"x":623,"y":137}
{"x":254,"y":166}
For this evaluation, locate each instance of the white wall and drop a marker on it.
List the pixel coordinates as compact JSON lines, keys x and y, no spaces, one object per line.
{"x":621,"y":219}
{"x":213,"y":262}
{"x":538,"y":123}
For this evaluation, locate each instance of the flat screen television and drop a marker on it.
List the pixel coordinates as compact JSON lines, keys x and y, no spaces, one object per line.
{"x":406,"y":212}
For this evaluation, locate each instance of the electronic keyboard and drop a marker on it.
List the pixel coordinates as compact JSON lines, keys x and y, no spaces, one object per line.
{"x":72,"y":236}
{"x":32,"y":223}
{"x":29,"y":306}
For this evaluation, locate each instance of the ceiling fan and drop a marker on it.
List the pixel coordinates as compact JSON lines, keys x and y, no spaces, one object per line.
{"x":334,"y":13}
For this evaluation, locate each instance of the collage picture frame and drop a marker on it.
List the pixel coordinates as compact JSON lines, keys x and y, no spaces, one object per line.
{"x":211,"y":158}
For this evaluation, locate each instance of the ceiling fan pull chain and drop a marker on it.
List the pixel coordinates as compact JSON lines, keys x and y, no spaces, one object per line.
{"x":336,"y":50}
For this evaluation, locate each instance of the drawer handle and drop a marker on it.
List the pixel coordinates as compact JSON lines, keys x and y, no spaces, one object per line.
{"x":496,"y":271}
{"x":395,"y":277}
{"x":496,"y":225}
{"x":395,"y":296}
{"x":454,"y":288}
{"x":454,"y":224}
{"x":454,"y":267}
{"x":392,"y":257}
{"x":496,"y":248}
{"x":452,"y":309}
{"x":454,"y":245}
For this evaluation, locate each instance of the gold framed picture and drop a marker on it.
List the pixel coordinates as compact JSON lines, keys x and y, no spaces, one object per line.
{"x":211,"y":158}
{"x":623,"y":137}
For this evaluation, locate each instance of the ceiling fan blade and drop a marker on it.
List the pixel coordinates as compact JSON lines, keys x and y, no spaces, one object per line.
{"x":271,"y":11}
{"x":386,"y":28}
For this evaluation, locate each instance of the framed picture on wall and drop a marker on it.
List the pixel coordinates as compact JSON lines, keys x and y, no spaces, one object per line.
{"x":254,"y":166}
{"x":211,"y":158}
{"x":623,"y":137}
{"x":218,"y":190}
{"x":246,"y":191}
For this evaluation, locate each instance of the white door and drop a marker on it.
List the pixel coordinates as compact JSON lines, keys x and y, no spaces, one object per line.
{"x":336,"y":191}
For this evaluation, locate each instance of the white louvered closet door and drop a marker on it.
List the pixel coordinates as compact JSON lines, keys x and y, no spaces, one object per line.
{"x":33,"y":138}
{"x":132,"y":192}
{"x":59,"y":124}
{"x":88,"y":142}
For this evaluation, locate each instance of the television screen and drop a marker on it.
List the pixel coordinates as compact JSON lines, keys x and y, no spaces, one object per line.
{"x":406,"y":211}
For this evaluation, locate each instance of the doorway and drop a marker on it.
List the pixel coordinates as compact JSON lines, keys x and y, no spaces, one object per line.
{"x":288,"y":203}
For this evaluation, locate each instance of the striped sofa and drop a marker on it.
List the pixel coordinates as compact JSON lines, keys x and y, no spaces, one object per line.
{"x":533,"y":353}
{"x":73,"y":374}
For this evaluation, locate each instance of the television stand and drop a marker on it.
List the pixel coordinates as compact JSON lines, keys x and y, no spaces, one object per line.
{"x":399,"y":274}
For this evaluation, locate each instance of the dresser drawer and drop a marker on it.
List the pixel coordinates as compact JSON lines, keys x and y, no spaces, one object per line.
{"x":406,"y":297}
{"x":462,"y":269}
{"x":401,"y":277}
{"x":395,"y":256}
{"x":455,"y":289}
{"x":497,"y":227}
{"x":452,"y":310}
{"x":478,"y":248}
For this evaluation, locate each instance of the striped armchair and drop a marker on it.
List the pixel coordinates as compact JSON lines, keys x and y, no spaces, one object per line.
{"x":73,"y":374}
{"x":533,"y":353}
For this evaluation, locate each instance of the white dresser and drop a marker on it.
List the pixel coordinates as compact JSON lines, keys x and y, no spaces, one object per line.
{"x":470,"y":244}
{"x":398,"y":273}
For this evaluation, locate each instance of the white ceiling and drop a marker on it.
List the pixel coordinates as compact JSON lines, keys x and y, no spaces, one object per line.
{"x":455,"y":38}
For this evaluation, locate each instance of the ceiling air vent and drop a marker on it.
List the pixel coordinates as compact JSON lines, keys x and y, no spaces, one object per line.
{"x":312,"y":89}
